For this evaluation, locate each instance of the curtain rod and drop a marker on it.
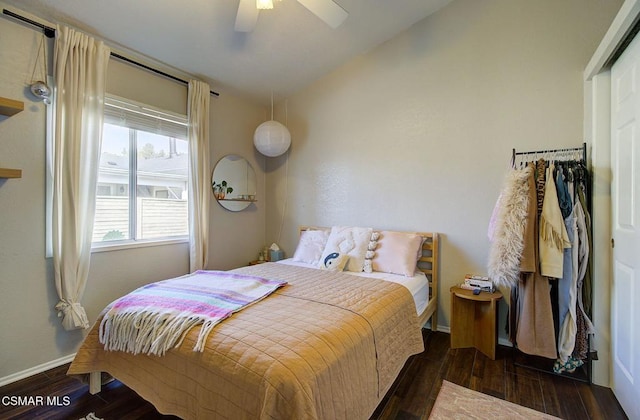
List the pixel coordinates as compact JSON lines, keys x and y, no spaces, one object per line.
{"x":50,"y":32}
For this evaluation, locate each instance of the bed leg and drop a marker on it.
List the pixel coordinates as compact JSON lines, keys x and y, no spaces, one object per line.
{"x":95,"y":382}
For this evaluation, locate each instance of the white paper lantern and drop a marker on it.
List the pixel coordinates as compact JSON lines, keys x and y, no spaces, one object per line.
{"x":272,"y":138}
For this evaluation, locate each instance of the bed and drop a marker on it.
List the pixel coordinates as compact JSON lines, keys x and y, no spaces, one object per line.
{"x":327,"y":345}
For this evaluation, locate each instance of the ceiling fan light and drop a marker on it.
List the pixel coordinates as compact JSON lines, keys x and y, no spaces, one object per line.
{"x":264,"y":4}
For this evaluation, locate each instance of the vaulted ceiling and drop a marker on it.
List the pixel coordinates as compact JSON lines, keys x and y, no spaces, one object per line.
{"x":288,"y":49}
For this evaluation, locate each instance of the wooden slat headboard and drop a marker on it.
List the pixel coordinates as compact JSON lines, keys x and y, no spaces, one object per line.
{"x":428,"y":264}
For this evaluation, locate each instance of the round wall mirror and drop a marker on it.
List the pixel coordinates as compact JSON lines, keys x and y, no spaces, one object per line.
{"x":234,"y":183}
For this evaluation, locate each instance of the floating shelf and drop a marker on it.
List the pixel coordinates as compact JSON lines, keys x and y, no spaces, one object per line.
{"x":245,"y":200}
{"x":10,"y":107}
{"x":10,"y":173}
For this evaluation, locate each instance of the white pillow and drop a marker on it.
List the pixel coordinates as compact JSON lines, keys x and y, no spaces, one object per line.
{"x":310,"y":246}
{"x":352,"y":241}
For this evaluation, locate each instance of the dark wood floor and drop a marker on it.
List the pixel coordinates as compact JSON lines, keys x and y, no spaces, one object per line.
{"x":411,"y":397}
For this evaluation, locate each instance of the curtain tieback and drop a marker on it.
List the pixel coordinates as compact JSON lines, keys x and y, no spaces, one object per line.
{"x":73,"y":315}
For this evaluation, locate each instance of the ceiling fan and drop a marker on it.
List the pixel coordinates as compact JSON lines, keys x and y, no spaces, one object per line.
{"x":327,"y":10}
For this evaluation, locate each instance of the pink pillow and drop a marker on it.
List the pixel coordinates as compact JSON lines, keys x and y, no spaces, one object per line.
{"x":397,"y":253}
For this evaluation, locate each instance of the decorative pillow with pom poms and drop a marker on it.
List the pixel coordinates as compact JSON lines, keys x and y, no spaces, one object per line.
{"x":373,"y":244}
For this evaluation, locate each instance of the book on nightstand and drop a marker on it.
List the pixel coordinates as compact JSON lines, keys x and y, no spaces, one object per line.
{"x":483,"y":283}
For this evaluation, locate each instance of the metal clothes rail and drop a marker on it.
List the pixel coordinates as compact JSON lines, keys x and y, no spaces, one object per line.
{"x":571,"y":153}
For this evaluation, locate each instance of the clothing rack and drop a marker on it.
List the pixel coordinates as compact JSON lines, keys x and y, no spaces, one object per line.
{"x":572,"y":153}
{"x":541,"y":364}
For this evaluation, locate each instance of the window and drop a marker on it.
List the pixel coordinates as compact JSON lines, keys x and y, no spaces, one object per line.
{"x":143,"y":175}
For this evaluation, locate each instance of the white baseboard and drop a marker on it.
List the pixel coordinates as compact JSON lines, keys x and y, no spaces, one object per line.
{"x":444,"y":329}
{"x":504,"y":342}
{"x":35,"y":370}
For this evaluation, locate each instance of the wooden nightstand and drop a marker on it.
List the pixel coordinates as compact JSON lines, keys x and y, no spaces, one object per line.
{"x":255,"y":262}
{"x":473,"y":320}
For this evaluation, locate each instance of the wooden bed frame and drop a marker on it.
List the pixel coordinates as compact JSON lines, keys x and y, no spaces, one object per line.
{"x":428,"y":264}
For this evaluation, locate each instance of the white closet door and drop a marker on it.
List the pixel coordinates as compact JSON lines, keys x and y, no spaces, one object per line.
{"x":625,"y":198}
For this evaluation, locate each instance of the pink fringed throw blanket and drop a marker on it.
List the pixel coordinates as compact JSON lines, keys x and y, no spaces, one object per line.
{"x":156,"y":317}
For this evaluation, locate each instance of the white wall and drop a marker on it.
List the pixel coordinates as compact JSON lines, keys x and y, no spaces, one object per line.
{"x":30,"y":332}
{"x":417,"y":134}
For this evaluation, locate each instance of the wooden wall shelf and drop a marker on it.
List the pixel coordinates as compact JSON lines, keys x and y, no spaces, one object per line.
{"x":10,"y":173}
{"x":245,"y":200}
{"x":10,"y":107}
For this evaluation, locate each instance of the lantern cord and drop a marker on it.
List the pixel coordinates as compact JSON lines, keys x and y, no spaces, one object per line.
{"x":286,"y":173}
{"x":35,"y":65}
{"x":286,"y":193}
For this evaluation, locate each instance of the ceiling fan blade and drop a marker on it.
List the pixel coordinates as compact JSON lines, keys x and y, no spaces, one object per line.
{"x":327,"y":10}
{"x":247,"y":16}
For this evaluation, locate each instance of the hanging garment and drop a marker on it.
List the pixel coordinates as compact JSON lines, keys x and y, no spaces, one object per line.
{"x":553,"y":234}
{"x":514,"y":315}
{"x":581,"y":347}
{"x":582,"y":242}
{"x":568,"y":329}
{"x":587,"y":286}
{"x":506,"y":249}
{"x":584,"y":327}
{"x":564,"y":198}
{"x":565,"y":283}
{"x":528,"y":260}
{"x":535,"y":333}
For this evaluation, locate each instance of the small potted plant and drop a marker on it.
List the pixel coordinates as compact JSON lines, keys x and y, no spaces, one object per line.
{"x":220,"y":189}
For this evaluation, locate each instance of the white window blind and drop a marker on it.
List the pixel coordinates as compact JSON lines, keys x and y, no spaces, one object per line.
{"x":130,"y":114}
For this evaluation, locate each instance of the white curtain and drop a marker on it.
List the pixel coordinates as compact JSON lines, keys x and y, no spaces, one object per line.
{"x":199,"y":179}
{"x":80,"y":66}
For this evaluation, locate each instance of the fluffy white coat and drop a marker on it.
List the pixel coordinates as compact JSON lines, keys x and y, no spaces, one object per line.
{"x":508,"y":229}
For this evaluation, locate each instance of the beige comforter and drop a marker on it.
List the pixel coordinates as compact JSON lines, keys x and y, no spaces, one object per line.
{"x":326,"y":346}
